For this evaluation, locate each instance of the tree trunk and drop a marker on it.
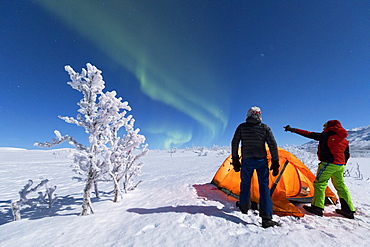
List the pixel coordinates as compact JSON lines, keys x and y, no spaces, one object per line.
{"x":16,"y":211}
{"x":117,"y":190}
{"x":86,"y":204}
{"x":96,"y":189}
{"x":116,"y":193}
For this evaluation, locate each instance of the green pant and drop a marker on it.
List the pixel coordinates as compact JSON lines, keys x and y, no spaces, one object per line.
{"x":325,"y":171}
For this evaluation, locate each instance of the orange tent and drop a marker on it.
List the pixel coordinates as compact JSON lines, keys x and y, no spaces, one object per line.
{"x":294,"y":183}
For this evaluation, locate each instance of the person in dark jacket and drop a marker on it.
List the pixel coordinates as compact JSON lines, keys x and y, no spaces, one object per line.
{"x":333,"y":153}
{"x":253,"y":135}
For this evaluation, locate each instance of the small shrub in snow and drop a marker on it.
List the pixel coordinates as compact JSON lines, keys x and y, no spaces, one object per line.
{"x":355,"y":174}
{"x":358,"y":173}
{"x":172,"y":151}
{"x":347,"y":173}
{"x":201,"y":151}
{"x":102,"y":115}
{"x":44,"y":200}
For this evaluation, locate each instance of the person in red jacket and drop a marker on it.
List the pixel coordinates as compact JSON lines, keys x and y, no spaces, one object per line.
{"x":333,"y":153}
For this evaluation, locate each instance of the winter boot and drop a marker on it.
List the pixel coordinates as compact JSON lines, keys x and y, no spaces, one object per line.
{"x":243,"y":208}
{"x":255,"y":206}
{"x":345,"y":210}
{"x":314,"y":210}
{"x":269,"y":223}
{"x":347,"y":214}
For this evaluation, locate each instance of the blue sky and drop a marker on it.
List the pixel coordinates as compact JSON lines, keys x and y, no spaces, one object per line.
{"x":190,"y":70}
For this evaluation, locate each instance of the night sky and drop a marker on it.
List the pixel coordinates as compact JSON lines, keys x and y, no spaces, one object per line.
{"x":190,"y":69}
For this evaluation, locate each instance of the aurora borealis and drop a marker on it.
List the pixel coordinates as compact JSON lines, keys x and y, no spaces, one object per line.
{"x":162,"y":55}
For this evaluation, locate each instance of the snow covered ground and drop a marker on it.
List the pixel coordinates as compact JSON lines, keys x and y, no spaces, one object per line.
{"x":174,"y":206}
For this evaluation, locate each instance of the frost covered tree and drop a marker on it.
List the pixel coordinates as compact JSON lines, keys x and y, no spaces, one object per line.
{"x":102,"y":115}
{"x":42,"y":201}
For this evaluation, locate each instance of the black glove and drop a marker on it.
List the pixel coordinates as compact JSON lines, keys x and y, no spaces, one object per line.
{"x":236,"y":164}
{"x":288,"y":128}
{"x":275,"y":168}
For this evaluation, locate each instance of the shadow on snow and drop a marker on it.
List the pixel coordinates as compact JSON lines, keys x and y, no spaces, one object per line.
{"x":207,"y":192}
{"x":64,"y":206}
{"x":59,"y":208}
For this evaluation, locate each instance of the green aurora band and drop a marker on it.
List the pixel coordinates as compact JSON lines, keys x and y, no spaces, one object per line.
{"x":163,"y":55}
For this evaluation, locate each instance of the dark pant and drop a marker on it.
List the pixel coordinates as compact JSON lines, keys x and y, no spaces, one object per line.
{"x":260,"y":165}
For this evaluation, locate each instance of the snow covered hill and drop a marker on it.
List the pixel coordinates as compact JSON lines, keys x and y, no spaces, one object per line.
{"x":359,"y":138}
{"x":359,"y":141}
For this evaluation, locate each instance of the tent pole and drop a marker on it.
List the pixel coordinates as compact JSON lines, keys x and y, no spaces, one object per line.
{"x":273,"y":187}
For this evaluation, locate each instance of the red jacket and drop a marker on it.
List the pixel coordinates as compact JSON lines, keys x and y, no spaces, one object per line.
{"x":333,"y":147}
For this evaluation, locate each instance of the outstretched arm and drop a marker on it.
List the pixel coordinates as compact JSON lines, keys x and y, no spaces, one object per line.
{"x":312,"y":135}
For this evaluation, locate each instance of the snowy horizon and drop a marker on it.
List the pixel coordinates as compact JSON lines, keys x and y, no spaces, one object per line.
{"x":358,"y":137}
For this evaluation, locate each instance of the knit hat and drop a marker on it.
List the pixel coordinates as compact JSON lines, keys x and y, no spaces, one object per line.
{"x":254,"y":112}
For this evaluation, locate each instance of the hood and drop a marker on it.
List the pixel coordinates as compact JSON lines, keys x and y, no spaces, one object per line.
{"x":336,"y":126}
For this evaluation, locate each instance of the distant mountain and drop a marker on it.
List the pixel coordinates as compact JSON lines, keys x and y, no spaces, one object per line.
{"x":359,"y":138}
{"x":11,"y":149}
{"x":359,"y":142}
